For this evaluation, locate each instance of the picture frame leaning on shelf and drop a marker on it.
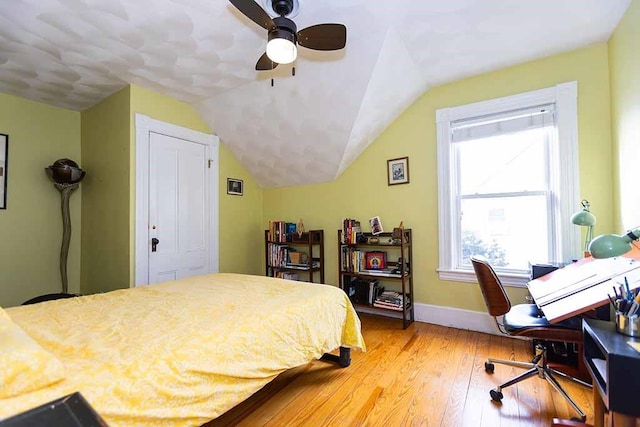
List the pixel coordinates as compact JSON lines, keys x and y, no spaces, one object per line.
{"x":376,"y":225}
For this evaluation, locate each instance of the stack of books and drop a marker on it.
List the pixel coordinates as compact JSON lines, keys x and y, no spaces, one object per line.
{"x":281,"y":231}
{"x":392,"y":300}
{"x":352,"y":259}
{"x":301,"y":266}
{"x":386,"y":272}
{"x":350,"y":231}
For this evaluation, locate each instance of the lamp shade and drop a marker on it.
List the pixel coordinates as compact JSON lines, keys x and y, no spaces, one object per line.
{"x":584,"y":218}
{"x":281,"y":51}
{"x":612,"y":245}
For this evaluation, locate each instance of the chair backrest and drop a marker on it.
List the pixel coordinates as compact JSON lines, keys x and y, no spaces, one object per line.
{"x":493,"y":292}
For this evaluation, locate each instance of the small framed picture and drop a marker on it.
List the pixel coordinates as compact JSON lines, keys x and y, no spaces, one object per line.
{"x":375,"y":260}
{"x":398,"y":171}
{"x":376,"y":225}
{"x":234,"y":186}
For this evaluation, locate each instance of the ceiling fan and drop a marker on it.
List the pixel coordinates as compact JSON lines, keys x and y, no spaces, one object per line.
{"x":283,"y":35}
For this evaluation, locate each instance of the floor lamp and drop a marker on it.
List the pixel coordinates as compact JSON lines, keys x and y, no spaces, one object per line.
{"x":66,"y":176}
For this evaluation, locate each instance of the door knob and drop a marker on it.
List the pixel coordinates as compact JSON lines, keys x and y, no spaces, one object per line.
{"x":154,"y":243}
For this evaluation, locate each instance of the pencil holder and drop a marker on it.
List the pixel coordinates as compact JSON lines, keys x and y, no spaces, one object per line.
{"x":628,"y":325}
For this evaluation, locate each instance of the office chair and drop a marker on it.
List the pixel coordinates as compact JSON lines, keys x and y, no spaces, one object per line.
{"x":525,"y":320}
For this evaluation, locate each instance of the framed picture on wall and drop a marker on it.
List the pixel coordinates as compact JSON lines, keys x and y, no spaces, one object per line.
{"x":234,"y":186}
{"x":4,"y":154}
{"x":398,"y":171}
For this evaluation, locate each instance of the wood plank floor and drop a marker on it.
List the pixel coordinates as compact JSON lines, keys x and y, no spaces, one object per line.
{"x":426,"y":375}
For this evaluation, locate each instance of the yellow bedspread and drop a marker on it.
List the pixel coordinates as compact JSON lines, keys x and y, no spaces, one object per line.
{"x":183,"y":352}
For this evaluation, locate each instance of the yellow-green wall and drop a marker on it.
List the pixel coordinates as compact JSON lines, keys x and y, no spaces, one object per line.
{"x":31,"y":226}
{"x":105,"y":207}
{"x":362,"y":192}
{"x":624,"y":59}
{"x":241,"y":235}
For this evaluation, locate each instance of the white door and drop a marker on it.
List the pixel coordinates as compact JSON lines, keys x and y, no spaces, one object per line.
{"x":176,"y":202}
{"x":178,"y":209}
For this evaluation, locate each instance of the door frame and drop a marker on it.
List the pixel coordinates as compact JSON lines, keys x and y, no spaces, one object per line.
{"x":144,"y":127}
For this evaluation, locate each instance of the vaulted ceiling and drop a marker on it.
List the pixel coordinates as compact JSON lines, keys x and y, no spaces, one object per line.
{"x":74,"y":53}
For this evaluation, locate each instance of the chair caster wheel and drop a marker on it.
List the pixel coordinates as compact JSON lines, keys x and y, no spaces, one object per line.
{"x":496,"y":395}
{"x":489,"y":367}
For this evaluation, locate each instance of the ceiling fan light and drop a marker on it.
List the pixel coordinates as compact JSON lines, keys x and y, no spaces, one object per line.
{"x":282,"y":51}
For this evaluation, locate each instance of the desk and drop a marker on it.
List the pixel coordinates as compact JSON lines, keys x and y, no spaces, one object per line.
{"x":583,"y":285}
{"x":615,"y":369}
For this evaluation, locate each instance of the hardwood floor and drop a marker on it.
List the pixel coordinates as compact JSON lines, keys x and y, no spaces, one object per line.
{"x":426,"y":375}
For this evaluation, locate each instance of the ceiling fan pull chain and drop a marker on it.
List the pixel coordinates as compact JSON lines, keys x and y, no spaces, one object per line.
{"x":272,"y":82}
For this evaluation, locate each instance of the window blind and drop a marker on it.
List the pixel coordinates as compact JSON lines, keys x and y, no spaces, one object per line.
{"x":502,"y":123}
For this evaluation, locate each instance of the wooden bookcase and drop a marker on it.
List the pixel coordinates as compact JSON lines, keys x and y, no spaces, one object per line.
{"x":278,"y":256}
{"x":359,"y":283}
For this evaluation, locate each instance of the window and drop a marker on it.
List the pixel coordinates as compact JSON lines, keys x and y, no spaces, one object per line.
{"x":508,"y":183}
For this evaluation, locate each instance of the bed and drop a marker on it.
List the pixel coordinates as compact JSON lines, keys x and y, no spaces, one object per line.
{"x":176,"y":353}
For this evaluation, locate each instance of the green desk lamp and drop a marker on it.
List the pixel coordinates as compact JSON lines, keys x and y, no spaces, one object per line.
{"x":586,"y":219}
{"x":612,"y":245}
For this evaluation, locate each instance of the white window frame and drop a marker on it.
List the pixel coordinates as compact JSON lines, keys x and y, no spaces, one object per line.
{"x":565,"y":181}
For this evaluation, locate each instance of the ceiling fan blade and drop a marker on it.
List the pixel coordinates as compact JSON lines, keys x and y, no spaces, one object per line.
{"x":265,"y":64}
{"x":253,"y":11}
{"x":323,"y":37}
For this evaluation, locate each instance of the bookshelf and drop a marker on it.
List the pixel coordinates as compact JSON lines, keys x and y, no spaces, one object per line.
{"x":285,"y":255}
{"x":368,"y":263}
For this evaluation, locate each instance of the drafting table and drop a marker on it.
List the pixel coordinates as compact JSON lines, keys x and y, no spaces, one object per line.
{"x":583,"y":285}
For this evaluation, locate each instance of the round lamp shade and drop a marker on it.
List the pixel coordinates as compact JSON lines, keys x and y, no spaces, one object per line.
{"x":610,"y":245}
{"x":584,"y":218}
{"x":282,"y":51}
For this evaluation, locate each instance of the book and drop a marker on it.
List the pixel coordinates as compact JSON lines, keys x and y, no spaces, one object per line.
{"x":286,"y":275}
{"x":392,"y":303}
{"x":350,"y":230}
{"x":290,"y":229}
{"x":387,"y":272}
{"x":374,"y":291}
{"x":387,"y":306}
{"x":315,"y":264}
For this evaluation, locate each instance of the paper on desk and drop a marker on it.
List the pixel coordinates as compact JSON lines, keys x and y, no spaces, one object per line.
{"x":635,"y":345}
{"x":572,"y":279}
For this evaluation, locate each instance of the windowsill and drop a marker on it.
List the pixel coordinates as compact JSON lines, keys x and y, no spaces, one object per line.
{"x":514,"y":280}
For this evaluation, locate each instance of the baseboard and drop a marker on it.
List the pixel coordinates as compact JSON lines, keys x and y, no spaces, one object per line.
{"x":456,"y":318}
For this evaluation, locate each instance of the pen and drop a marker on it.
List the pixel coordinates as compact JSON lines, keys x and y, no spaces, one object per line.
{"x":613,"y":303}
{"x":626,"y":285}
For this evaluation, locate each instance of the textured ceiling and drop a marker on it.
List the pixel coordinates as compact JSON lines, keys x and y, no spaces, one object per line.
{"x":304,"y":129}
